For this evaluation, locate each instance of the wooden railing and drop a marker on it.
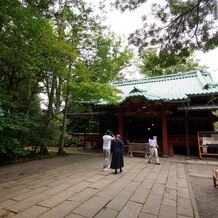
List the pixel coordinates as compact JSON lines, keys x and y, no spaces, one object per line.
{"x":94,"y":141}
{"x":180,"y":140}
{"x":177,"y":144}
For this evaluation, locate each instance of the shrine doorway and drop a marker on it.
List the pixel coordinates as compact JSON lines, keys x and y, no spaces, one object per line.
{"x":139,"y":129}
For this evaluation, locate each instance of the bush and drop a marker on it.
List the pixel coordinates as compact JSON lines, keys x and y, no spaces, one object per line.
{"x":72,"y":141}
{"x":11,"y":149}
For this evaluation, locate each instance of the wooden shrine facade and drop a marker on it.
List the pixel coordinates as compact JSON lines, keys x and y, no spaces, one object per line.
{"x":164,"y":112}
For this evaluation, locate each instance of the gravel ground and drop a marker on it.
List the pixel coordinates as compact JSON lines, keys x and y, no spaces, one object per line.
{"x":205,"y":194}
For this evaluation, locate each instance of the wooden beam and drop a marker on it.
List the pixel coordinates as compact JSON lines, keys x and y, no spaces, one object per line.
{"x":164,"y":134}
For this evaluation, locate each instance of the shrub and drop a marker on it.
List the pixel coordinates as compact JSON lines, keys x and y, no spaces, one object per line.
{"x":72,"y":141}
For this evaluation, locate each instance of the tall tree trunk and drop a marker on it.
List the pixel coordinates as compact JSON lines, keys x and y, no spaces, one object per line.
{"x":44,"y":149}
{"x":64,"y":126}
{"x":58,"y":95}
{"x":51,"y":98}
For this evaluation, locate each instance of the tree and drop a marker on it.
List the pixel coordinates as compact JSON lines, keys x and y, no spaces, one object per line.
{"x":88,"y":80}
{"x":88,"y":60}
{"x":154,"y":64}
{"x":176,"y":27}
{"x":108,"y":59}
{"x":25,"y":38}
{"x":44,"y":46}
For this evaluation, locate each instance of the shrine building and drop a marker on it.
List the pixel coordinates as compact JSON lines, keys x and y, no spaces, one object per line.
{"x":172,"y":107}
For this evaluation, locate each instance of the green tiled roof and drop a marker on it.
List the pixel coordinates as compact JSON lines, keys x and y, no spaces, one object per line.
{"x":173,"y":87}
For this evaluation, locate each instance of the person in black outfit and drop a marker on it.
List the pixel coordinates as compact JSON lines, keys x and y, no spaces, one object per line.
{"x":117,"y":161}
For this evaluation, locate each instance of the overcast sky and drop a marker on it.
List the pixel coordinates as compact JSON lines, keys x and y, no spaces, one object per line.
{"x":122,"y":24}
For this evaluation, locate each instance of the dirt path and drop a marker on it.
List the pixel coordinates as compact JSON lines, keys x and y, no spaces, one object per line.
{"x":19,"y":170}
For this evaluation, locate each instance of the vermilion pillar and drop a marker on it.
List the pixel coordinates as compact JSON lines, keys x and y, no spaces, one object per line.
{"x":164,"y":134}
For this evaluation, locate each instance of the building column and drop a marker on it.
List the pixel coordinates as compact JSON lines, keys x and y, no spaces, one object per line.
{"x":164,"y":133}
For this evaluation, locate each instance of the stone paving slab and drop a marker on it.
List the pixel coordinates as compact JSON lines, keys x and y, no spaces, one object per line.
{"x":82,"y":189}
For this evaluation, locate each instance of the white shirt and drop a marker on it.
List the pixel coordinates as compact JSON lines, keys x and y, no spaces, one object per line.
{"x":152,"y":143}
{"x":107,"y":142}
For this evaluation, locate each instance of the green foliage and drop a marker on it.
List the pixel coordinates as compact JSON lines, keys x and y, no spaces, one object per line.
{"x":41,"y":135}
{"x":19,"y":131}
{"x":13,"y":135}
{"x":71,"y":141}
{"x":92,"y":92}
{"x":176,"y":25}
{"x":45,"y":48}
{"x":26,"y":41}
{"x":106,"y":63}
{"x":154,"y":64}
{"x":10,"y":148}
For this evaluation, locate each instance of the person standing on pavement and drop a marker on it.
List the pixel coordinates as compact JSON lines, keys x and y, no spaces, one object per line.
{"x":107,"y":138}
{"x":153,"y":148}
{"x":117,"y":161}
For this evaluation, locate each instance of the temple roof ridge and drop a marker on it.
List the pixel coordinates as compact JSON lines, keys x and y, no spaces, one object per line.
{"x":172,"y":87}
{"x":195,"y":73}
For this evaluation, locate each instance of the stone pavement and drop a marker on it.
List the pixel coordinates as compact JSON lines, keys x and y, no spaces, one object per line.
{"x":82,"y":189}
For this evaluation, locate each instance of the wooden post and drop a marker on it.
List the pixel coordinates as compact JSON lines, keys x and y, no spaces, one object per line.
{"x":186,"y":131}
{"x":164,"y":134}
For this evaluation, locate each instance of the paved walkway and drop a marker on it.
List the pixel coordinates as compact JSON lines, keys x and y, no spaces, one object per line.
{"x":82,"y":189}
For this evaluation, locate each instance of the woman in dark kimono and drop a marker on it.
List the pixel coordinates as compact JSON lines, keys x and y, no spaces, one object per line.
{"x":117,"y":154}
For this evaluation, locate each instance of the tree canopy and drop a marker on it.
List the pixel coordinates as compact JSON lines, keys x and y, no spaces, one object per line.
{"x":59,"y":49}
{"x":176,"y":27}
{"x":154,"y":64}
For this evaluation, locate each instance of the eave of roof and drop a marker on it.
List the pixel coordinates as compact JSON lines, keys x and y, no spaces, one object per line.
{"x":198,"y":107}
{"x":177,"y":87}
